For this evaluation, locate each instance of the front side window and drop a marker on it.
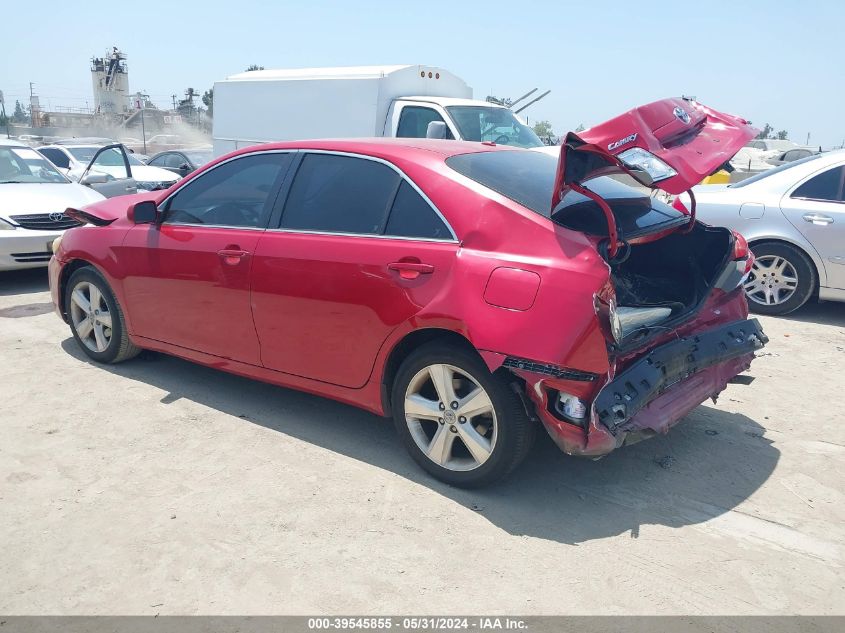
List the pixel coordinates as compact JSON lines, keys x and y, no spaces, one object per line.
{"x":825,"y":186}
{"x":340,"y":194}
{"x":174,"y":161}
{"x":234,"y":194}
{"x":414,"y":120}
{"x":158,"y":161}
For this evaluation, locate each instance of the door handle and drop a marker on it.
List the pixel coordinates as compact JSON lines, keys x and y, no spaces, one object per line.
{"x":411,"y":270}
{"x":232,"y":256}
{"x":817,"y":218}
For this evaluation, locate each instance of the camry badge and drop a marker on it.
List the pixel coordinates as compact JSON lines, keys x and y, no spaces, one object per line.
{"x":681,"y":114}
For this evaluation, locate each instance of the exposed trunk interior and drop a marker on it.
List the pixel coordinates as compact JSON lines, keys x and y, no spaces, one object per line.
{"x":668,"y":278}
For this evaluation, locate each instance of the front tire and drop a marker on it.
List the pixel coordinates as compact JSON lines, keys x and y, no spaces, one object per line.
{"x":96,"y":319}
{"x":462,"y":424}
{"x":782,"y":279}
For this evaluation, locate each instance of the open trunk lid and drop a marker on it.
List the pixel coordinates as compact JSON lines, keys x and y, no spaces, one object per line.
{"x":672,"y":144}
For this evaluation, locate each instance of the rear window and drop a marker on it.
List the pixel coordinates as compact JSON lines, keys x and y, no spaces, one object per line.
{"x":528,"y":177}
{"x":525,"y":177}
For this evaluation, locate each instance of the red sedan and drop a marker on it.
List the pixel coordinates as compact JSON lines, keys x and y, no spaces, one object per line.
{"x":468,"y":290}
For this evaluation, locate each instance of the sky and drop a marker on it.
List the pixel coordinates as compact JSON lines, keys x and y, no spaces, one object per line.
{"x":777,"y":62}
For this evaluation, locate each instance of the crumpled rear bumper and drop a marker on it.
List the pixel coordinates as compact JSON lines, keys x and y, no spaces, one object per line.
{"x":657,"y":390}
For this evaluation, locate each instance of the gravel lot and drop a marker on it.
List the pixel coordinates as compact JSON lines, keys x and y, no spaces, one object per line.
{"x":158,"y":486}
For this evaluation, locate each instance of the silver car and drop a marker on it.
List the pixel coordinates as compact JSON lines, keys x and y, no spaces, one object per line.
{"x":793,"y":217}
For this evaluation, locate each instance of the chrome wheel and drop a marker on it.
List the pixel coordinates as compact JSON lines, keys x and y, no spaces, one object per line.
{"x":90,"y":316}
{"x":772,"y":281}
{"x":451,"y":417}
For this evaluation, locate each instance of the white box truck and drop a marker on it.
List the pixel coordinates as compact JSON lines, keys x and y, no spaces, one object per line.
{"x":278,"y":105}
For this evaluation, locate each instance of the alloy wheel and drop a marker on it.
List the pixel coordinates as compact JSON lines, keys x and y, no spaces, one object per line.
{"x":90,"y":316}
{"x":772,"y":281}
{"x":451,"y":417}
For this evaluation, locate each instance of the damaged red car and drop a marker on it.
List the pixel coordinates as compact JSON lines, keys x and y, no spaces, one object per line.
{"x":471,"y":291}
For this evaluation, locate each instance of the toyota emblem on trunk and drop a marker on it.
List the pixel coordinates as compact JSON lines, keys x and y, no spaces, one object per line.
{"x":681,"y":114}
{"x":57,"y":217}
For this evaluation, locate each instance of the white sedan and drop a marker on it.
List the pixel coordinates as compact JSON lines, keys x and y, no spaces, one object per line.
{"x":793,"y":217}
{"x":33,"y":197}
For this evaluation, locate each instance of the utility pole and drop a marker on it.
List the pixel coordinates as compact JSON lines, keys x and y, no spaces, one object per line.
{"x":3,"y":109}
{"x":31,"y":113}
{"x":174,"y":101}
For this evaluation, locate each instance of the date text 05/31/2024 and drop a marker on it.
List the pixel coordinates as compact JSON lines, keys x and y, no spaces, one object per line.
{"x":417,"y":623}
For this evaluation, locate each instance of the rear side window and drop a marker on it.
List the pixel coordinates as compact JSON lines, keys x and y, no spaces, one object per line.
{"x":412,"y":216}
{"x":233,"y":194}
{"x":340,"y":194}
{"x":825,"y":186}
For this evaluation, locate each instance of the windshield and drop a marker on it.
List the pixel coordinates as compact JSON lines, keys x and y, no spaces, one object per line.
{"x":772,"y":172}
{"x":23,"y":164}
{"x":499,"y":125}
{"x":110,"y":158}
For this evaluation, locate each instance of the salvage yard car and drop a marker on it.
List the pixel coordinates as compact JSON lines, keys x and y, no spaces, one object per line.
{"x":33,"y":197}
{"x":466,"y":289}
{"x":793,"y":217}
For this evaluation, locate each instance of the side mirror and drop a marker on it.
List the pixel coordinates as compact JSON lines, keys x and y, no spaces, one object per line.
{"x":144,"y":212}
{"x":94,"y":179}
{"x":184,"y":168}
{"x":436,"y":129}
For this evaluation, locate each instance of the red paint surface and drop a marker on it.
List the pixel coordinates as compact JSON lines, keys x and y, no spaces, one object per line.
{"x":323,"y":313}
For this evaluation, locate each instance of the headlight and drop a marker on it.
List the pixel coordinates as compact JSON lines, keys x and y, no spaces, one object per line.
{"x":55,"y":245}
{"x":638,"y":158}
{"x":6,"y":226}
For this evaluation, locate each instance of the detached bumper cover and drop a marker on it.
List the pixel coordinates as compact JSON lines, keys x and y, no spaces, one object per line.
{"x":645,"y":380}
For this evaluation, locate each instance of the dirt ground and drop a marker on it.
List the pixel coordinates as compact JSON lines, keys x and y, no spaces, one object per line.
{"x":158,"y":486}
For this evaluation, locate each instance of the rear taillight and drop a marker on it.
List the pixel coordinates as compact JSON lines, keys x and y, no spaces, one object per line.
{"x":741,"y":251}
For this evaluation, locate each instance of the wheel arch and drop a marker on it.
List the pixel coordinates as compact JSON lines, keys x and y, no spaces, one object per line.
{"x":405,"y":346}
{"x":820,"y":272}
{"x":67,"y":270}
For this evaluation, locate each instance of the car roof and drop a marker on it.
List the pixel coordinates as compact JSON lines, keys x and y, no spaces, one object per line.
{"x":387,"y":147}
{"x":8,"y":142}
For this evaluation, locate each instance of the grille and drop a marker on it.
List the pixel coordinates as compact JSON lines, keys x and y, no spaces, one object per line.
{"x":43,"y":222}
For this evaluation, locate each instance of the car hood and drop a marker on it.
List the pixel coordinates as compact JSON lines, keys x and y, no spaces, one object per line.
{"x":23,"y":198}
{"x":107,"y":210}
{"x":690,"y":139}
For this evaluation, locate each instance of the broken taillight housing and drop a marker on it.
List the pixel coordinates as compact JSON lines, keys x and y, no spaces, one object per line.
{"x":741,"y":251}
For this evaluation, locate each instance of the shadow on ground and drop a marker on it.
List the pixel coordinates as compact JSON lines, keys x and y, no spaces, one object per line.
{"x":21,"y":282}
{"x":706,"y":466}
{"x":827,"y":313}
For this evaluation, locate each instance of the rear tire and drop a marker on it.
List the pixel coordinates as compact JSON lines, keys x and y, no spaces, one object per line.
{"x":462,"y":424}
{"x":96,"y":319}
{"x":782,"y":280}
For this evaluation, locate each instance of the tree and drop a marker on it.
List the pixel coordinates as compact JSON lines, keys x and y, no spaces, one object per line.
{"x":543,"y":129}
{"x":580,"y":128}
{"x":20,"y":115}
{"x":765,"y":132}
{"x":783,"y":135}
{"x":208,"y":100}
{"x":254,"y":67}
